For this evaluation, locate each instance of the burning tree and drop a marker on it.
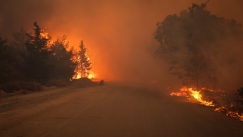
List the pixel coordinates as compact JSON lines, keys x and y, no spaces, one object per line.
{"x":84,"y":63}
{"x":190,"y":43}
{"x":61,"y":59}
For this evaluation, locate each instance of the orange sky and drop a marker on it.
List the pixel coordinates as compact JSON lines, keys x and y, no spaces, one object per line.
{"x":117,"y":33}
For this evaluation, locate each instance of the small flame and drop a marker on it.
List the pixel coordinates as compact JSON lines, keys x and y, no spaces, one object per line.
{"x":229,"y":113}
{"x":179,"y":94}
{"x":91,"y":75}
{"x":44,"y":35}
{"x":78,"y":76}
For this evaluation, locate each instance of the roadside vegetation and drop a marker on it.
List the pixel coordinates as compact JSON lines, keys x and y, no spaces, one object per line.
{"x":32,"y":60}
{"x":204,"y":50}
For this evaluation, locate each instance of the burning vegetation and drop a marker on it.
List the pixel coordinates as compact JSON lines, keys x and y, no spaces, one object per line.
{"x":211,"y":98}
{"x":191,"y":93}
{"x":203,"y":51}
{"x":36,"y":59}
{"x":83,"y":68}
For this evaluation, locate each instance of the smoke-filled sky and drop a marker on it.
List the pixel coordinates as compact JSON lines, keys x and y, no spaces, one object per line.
{"x":117,"y":33}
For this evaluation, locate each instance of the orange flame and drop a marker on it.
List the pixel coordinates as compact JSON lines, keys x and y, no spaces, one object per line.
{"x":91,"y":75}
{"x":229,"y":113}
{"x":198,"y":96}
{"x":189,"y":92}
{"x":179,"y":94}
{"x":44,"y":35}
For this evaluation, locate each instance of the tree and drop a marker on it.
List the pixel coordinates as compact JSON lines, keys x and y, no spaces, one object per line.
{"x":190,"y":42}
{"x":84,"y":63}
{"x":7,"y":70}
{"x":20,"y":39}
{"x":61,"y":59}
{"x":36,"y":65}
{"x":18,"y":48}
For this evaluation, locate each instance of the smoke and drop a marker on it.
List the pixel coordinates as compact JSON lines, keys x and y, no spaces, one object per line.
{"x":228,"y":64}
{"x":15,"y":14}
{"x":117,"y":33}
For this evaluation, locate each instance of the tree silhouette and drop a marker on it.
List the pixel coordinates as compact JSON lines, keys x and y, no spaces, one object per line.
{"x":20,"y":39}
{"x":84,"y":63}
{"x":7,"y":70}
{"x":36,"y":65}
{"x":188,"y":42}
{"x":61,"y":60}
{"x":18,"y":50}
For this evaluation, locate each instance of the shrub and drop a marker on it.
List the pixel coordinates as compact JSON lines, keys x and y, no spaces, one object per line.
{"x":240,"y":91}
{"x":57,"y":82}
{"x":20,"y":85}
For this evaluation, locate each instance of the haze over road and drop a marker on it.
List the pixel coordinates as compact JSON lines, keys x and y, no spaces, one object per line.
{"x":110,"y":111}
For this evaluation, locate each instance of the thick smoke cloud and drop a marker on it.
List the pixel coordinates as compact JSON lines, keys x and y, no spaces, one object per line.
{"x":117,"y":33}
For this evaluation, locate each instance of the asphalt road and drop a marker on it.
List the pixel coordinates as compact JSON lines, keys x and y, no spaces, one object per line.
{"x":110,"y":111}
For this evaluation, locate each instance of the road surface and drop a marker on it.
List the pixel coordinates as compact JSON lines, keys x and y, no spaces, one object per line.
{"x":110,"y":111}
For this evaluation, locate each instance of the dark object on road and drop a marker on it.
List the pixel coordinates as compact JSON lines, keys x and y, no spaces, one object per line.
{"x":102,"y":82}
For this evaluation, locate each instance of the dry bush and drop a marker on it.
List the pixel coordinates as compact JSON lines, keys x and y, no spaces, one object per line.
{"x":20,"y":85}
{"x":57,"y":82}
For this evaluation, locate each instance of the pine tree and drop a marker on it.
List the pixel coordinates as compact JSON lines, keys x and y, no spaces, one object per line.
{"x":18,"y":48}
{"x":84,"y":63}
{"x":62,"y":60}
{"x":36,"y":66}
{"x":7,"y":70}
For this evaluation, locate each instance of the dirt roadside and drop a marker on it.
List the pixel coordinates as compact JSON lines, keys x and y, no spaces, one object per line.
{"x":111,"y":110}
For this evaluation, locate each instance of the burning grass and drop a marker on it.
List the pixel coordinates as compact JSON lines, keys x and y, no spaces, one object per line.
{"x":209,"y":97}
{"x":193,"y":94}
{"x":230,"y":113}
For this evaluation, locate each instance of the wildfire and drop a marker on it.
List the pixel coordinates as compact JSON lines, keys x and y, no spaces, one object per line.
{"x":198,"y":96}
{"x":44,"y":35}
{"x":83,"y":68}
{"x":183,"y":92}
{"x":229,"y":113}
{"x":91,"y":75}
{"x":179,"y":94}
{"x":190,"y":92}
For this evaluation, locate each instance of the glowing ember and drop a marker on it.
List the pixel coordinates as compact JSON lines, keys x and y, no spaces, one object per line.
{"x":179,"y":94}
{"x":229,"y":113}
